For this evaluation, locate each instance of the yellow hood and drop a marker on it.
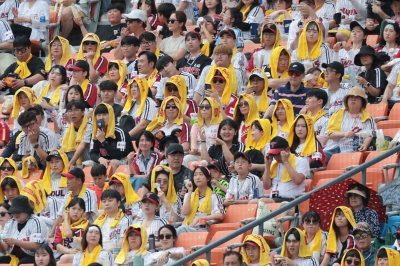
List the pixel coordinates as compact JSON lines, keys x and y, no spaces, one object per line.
{"x":265,"y":138}
{"x":343,"y":262}
{"x":302,"y":49}
{"x":304,"y":250}
{"x":143,"y":90}
{"x":264,"y":102}
{"x":309,"y":146}
{"x":11,"y":162}
{"x":122,"y":255}
{"x":393,"y":257}
{"x":264,"y":249}
{"x":332,"y":237}
{"x":97,"y":53}
{"x":130,"y":194}
{"x":65,"y":53}
{"x":216,"y":114}
{"x":253,"y":111}
{"x":47,"y":172}
{"x":122,"y":69}
{"x":36,"y":194}
{"x":180,"y":83}
{"x":171,"y":193}
{"x":273,"y":62}
{"x":161,"y":117}
{"x":277,"y":42}
{"x":289,"y":117}
{"x":16,"y":106}
{"x":111,"y":123}
{"x":18,"y":185}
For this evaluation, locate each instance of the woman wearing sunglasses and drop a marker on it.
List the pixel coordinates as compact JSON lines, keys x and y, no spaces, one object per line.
{"x":175,"y":46}
{"x":7,"y":168}
{"x":168,"y":254}
{"x":244,"y":115}
{"x":353,"y":257}
{"x":170,"y":120}
{"x":316,"y":238}
{"x":282,"y":118}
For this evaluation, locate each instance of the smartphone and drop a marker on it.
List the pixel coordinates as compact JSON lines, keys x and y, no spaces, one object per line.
{"x":208,"y":86}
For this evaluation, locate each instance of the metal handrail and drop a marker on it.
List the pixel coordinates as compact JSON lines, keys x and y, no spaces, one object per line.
{"x":260,"y":221}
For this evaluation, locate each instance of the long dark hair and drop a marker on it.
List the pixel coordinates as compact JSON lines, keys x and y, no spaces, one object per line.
{"x":48,"y":250}
{"x":229,"y":122}
{"x":396,"y":27}
{"x":152,"y":6}
{"x":204,"y":9}
{"x":296,"y":139}
{"x":181,"y":17}
{"x":63,"y":73}
{"x":206,"y":173}
{"x":84,"y":242}
{"x":238,"y":16}
{"x":336,"y":228}
{"x":78,"y":89}
{"x":78,"y":201}
{"x":253,"y":5}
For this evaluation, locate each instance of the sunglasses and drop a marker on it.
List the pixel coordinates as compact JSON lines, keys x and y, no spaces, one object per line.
{"x":171,"y":89}
{"x":218,"y":80}
{"x":161,"y":237}
{"x":206,"y":107}
{"x":361,"y":236}
{"x":172,"y":21}
{"x":355,"y":262}
{"x":2,"y":214}
{"x":309,"y":221}
{"x":171,"y":106}
{"x":6,"y":168}
{"x":294,"y":73}
{"x":241,"y":104}
{"x":89,"y":42}
{"x":20,"y":50}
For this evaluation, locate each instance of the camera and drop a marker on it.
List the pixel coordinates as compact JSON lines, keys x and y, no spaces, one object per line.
{"x":101,"y":124}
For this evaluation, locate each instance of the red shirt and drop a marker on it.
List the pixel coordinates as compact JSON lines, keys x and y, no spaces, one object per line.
{"x":4,"y":132}
{"x":66,"y":242}
{"x":101,"y":65}
{"x":191,"y":107}
{"x":90,"y":95}
{"x":98,"y":192}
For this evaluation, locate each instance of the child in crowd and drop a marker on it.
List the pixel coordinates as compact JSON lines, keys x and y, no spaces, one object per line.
{"x":99,"y":175}
{"x":219,"y":182}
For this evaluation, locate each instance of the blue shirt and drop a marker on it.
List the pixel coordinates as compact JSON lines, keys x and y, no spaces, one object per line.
{"x":298,"y":98}
{"x":369,"y":216}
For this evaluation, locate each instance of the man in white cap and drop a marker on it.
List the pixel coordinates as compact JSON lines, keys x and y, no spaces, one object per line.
{"x":136,"y":22}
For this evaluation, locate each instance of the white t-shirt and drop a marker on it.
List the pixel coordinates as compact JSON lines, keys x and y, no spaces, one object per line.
{"x":58,"y":193}
{"x":6,"y":9}
{"x":392,"y":78}
{"x":336,"y":99}
{"x":324,"y":58}
{"x":47,"y":141}
{"x":345,"y":7}
{"x":105,"y":258}
{"x":210,"y":131}
{"x":39,"y":8}
{"x":171,"y":45}
{"x":346,"y":58}
{"x":261,"y":58}
{"x":149,"y":111}
{"x":112,"y":236}
{"x":155,"y":225}
{"x":256,"y":15}
{"x":153,"y":257}
{"x":145,"y":257}
{"x":243,"y":190}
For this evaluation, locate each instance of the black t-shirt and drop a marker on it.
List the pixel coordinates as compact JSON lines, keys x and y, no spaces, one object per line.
{"x":117,"y":111}
{"x":193,"y":66}
{"x":385,"y":6}
{"x":215,"y":153}
{"x":377,"y":78}
{"x":179,"y":178}
{"x":109,"y":33}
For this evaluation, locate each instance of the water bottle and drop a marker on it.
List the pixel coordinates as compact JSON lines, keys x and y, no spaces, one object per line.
{"x":196,"y":11}
{"x":255,"y":193}
{"x":152,"y":243}
{"x":356,"y":140}
{"x":42,"y":21}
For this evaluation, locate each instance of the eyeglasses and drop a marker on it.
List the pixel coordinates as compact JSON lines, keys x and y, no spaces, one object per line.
{"x":172,"y":21}
{"x":206,"y":107}
{"x":294,"y":73}
{"x":309,"y":221}
{"x":20,"y":50}
{"x":162,"y":182}
{"x":146,"y":43}
{"x":73,"y":111}
{"x":29,"y":126}
{"x":361,"y":236}
{"x":327,"y":71}
{"x":2,"y":214}
{"x":171,"y":106}
{"x":355,"y":262}
{"x":172,"y":88}
{"x":168,"y":236}
{"x":89,"y":42}
{"x":6,"y":168}
{"x":220,"y":54}
{"x":218,"y":80}
{"x":242,"y":104}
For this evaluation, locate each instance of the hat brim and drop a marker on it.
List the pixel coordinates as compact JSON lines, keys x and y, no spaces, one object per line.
{"x":210,"y":166}
{"x":115,"y":181}
{"x":256,"y":74}
{"x":295,"y":70}
{"x":48,"y":158}
{"x":68,"y":175}
{"x":175,"y":151}
{"x":227,"y":32}
{"x":90,"y":39}
{"x":251,"y":243}
{"x":221,"y":77}
{"x":357,"y":60}
{"x":355,"y":191}
{"x":76,"y":68}
{"x":136,"y":231}
{"x":347,"y":97}
{"x":269,"y":30}
{"x":151,"y":200}
{"x":275,"y":151}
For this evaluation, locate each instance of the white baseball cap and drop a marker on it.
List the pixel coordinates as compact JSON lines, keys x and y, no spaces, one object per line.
{"x":136,"y":14}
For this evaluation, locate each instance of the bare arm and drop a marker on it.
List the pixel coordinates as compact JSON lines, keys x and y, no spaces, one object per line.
{"x":186,"y":205}
{"x":58,"y":220}
{"x":266,"y":179}
{"x":178,"y":54}
{"x":139,"y":127}
{"x":296,"y":177}
{"x":273,"y":83}
{"x":204,"y":152}
{"x":81,"y":148}
{"x":388,"y":93}
{"x":269,"y":111}
{"x":93,"y":73}
{"x":182,"y":6}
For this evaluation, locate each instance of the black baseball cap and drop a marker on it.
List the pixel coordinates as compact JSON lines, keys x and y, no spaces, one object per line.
{"x":75,"y":173}
{"x":298,"y":67}
{"x":214,"y":165}
{"x":354,"y":24}
{"x":228,"y":31}
{"x":336,"y":66}
{"x":52,"y":154}
{"x":175,"y":148}
{"x":270,"y":27}
{"x":80,"y":65}
{"x":152,"y":197}
{"x":36,"y":107}
{"x":277,"y":145}
{"x":241,"y":155}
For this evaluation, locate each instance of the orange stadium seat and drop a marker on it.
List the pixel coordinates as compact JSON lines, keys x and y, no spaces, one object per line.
{"x":393,"y":119}
{"x":218,"y":252}
{"x":249,"y":48}
{"x":123,"y":169}
{"x":308,"y":187}
{"x":331,"y":41}
{"x":88,"y":176}
{"x":189,"y":240}
{"x":33,"y":175}
{"x":391,"y":132}
{"x":378,"y":109}
{"x":190,"y":27}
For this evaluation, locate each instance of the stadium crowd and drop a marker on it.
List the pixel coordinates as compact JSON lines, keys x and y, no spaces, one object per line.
{"x":163,"y":119}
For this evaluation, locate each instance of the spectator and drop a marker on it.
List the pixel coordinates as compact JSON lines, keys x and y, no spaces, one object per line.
{"x":315,"y":237}
{"x":129,"y":46}
{"x":59,"y":54}
{"x":18,"y":243}
{"x":73,"y":12}
{"x":259,"y":136}
{"x":315,"y":101}
{"x":340,"y":229}
{"x":92,"y":249}
{"x":99,"y":175}
{"x":311,"y":80}
{"x":242,"y":183}
{"x":4,"y":134}
{"x":232,"y":19}
{"x":256,"y":250}
{"x":379,"y":13}
{"x":81,"y":75}
{"x":219,"y":182}
{"x":28,"y":68}
{"x":352,"y":257}
{"x":73,"y":227}
{"x":232,"y":258}
{"x":117,"y":73}
{"x":252,"y":13}
{"x":200,"y":202}
{"x":363,"y":236}
{"x":201,"y":262}
{"x":77,"y":138}
{"x":358,"y":197}
{"x":278,"y":69}
{"x":211,"y":8}
{"x":348,"y":121}
{"x":373,"y":78}
{"x":44,"y":256}
{"x":148,"y":43}
{"x":226,"y":145}
{"x":170,"y":121}
{"x":239,"y":61}
{"x":223,"y":57}
{"x":244,"y":114}
{"x":134,"y":243}
{"x":286,"y":174}
{"x":168,"y":235}
{"x":147,"y":66}
{"x":11,"y":187}
{"x":387,"y":256}
{"x":294,"y":90}
{"x":110,"y":144}
{"x":195,"y":61}
{"x":282,"y":11}
{"x":135,"y":23}
{"x":108,"y":91}
{"x":282,"y":118}
{"x":150,"y":10}
{"x":389,"y":40}
{"x":129,"y":199}
{"x":175,"y":45}
{"x":295,"y":249}
{"x":164,"y":12}
{"x":6,"y":9}
{"x":303,"y":143}
{"x":167,"y":67}
{"x":258,"y":87}
{"x":7,"y":168}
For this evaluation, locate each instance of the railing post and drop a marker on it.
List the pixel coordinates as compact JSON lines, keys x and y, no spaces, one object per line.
{"x":364,"y":177}
{"x":208,"y":256}
{"x":261,"y":229}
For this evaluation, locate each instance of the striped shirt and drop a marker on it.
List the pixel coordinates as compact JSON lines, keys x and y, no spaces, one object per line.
{"x":323,"y":245}
{"x":132,"y":210}
{"x":326,"y":11}
{"x":6,"y":34}
{"x":295,"y":25}
{"x":392,"y":79}
{"x":321,"y":125}
{"x":335,"y":99}
{"x":132,"y":70}
{"x":113,"y":235}
{"x":243,"y":189}
{"x":6,"y":11}
{"x":346,"y":8}
{"x":149,"y":112}
{"x":89,"y":197}
{"x":49,"y":214}
{"x":259,"y":59}
{"x":306,"y":262}
{"x":90,"y":95}
{"x":63,"y":124}
{"x":256,"y":15}
{"x":144,"y":166}
{"x":155,"y":225}
{"x":346,"y":58}
{"x":163,"y":213}
{"x":105,"y":258}
{"x":190,"y":80}
{"x":324,"y":58}
{"x":240,"y":61}
{"x":298,"y":98}
{"x":184,"y":135}
{"x":58,"y":193}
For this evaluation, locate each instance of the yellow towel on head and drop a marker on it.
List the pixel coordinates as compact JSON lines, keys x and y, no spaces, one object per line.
{"x":47,"y":173}
{"x":25,"y":165}
{"x":264,"y":249}
{"x":103,"y":217}
{"x":171,"y":193}
{"x":130,"y":194}
{"x":143,"y":90}
{"x":264,"y":102}
{"x":180,"y":84}
{"x":232,"y":79}
{"x":72,"y":140}
{"x":277,"y":42}
{"x":332,"y":237}
{"x":90,"y":36}
{"x":309,"y":146}
{"x":17,"y":181}
{"x":200,"y":263}
{"x":317,"y":241}
{"x":161,"y":117}
{"x":304,"y":250}
{"x":22,"y":69}
{"x":216,"y":113}
{"x":253,"y":112}
{"x":343,"y":262}
{"x":11,"y":162}
{"x":265,"y":138}
{"x":205,"y":206}
{"x":289,"y":117}
{"x":82,"y":224}
{"x":110,"y":132}
{"x":392,"y":254}
{"x":122,"y":69}
{"x":302,"y":49}
{"x":89,"y":258}
{"x":65,"y":53}
{"x":273,"y":62}
{"x":123,"y":254}
{"x":17,"y":106}
{"x":36,"y":194}
{"x":55,"y":98}
{"x":335,"y":122}
{"x":285,"y":174}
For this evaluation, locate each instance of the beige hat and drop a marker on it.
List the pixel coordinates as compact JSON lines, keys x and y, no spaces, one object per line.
{"x":90,"y":39}
{"x":355,"y":91}
{"x":355,"y":191}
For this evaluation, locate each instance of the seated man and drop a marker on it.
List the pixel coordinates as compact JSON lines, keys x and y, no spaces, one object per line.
{"x":80,"y":75}
{"x":233,"y":258}
{"x":228,"y":37}
{"x":28,"y":68}
{"x":315,"y":101}
{"x":284,"y":172}
{"x":108,"y":90}
{"x":130,"y":46}
{"x":147,"y":66}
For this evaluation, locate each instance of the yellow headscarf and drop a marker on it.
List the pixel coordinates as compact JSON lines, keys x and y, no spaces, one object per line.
{"x":36,"y":194}
{"x":55,"y":98}
{"x":25,"y":165}
{"x":110,"y":133}
{"x":335,"y":122}
{"x":130,"y":195}
{"x":11,"y":162}
{"x":289,"y":117}
{"x":123,"y":254}
{"x":22,"y":69}
{"x":302,"y":49}
{"x":200,"y":263}
{"x":143,"y":90}
{"x":72,"y":140}
{"x":90,"y":36}
{"x":180,"y":83}
{"x":230,"y":77}
{"x":332,"y":237}
{"x":253,"y":112}
{"x":47,"y":172}
{"x":216,"y":113}
{"x":264,"y":102}
{"x":273,"y":62}
{"x":265,"y":138}
{"x":393,"y":256}
{"x":304,"y":250}
{"x":18,"y":185}
{"x":122,"y":69}
{"x":171,"y":193}
{"x":343,"y":262}
{"x":264,"y":249}
{"x":65,"y":53}
{"x":309,"y":146}
{"x":17,"y":106}
{"x":161,"y":117}
{"x":92,"y":257}
{"x":277,"y":42}
{"x":205,"y":206}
